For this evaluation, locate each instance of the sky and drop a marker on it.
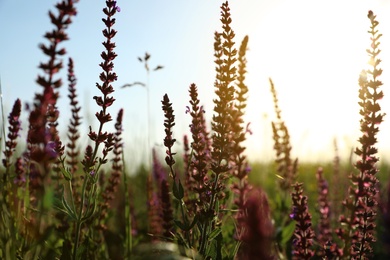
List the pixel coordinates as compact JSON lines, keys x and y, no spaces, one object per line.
{"x":312,"y":50}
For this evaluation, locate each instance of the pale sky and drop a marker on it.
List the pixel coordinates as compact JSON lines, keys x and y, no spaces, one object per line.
{"x":313,"y":50}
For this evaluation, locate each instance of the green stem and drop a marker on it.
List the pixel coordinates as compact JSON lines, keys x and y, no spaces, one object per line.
{"x":202,"y":247}
{"x":79,"y":222}
{"x":129,"y":236}
{"x":185,"y":220}
{"x":71,"y":196}
{"x":204,"y":236}
{"x":39,"y":224}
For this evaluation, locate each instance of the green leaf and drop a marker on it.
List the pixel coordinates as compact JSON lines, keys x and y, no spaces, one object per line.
{"x":194,"y":222}
{"x":175,"y":191}
{"x":180,"y":225}
{"x":68,"y":209}
{"x":181,"y":240}
{"x":288,"y":232}
{"x":178,"y":192}
{"x":212,"y":251}
{"x":67,"y":175}
{"x":219,"y":240}
{"x":90,"y":212}
{"x":82,"y":250}
{"x":57,"y":202}
{"x":279,"y":203}
{"x":214,"y":233}
{"x":217,"y":207}
{"x":235,"y":251}
{"x":181,"y":190}
{"x":215,"y":248}
{"x":58,"y":206}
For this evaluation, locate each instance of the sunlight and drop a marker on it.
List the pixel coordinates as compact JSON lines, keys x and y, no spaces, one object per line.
{"x":162,"y":172}
{"x":314,"y":53}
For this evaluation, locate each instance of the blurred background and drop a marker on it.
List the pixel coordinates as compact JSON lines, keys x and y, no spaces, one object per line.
{"x":313,"y":51}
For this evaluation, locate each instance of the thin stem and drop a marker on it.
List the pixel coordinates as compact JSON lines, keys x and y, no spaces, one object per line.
{"x":150,"y":159}
{"x":71,"y":196}
{"x":129,"y":235}
{"x":79,"y":222}
{"x":204,"y":237}
{"x":96,"y":144}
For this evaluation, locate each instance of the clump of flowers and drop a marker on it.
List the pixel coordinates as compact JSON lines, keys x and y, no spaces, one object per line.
{"x":56,"y":205}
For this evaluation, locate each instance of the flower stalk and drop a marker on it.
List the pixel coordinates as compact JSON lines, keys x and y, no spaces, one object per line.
{"x":359,"y":234}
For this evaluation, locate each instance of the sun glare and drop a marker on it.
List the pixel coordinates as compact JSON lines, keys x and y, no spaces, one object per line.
{"x":314,"y":53}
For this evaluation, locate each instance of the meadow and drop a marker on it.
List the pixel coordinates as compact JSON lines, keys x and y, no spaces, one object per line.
{"x":202,"y":199}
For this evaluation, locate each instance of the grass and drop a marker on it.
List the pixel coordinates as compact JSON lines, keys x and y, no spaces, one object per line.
{"x":205,"y":200}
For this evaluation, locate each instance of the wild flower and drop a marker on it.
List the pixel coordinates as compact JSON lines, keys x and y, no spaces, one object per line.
{"x":8,"y":181}
{"x":44,"y":146}
{"x":89,"y":192}
{"x":385,"y":220}
{"x":177,"y":188}
{"x":73,"y":151}
{"x":43,"y":116}
{"x":324,"y":234}
{"x":221,"y":152}
{"x":217,"y":212}
{"x":154,"y":209}
{"x":20,"y":172}
{"x":107,"y":77}
{"x":13,"y":133}
{"x":189,"y":181}
{"x":169,"y":122}
{"x":359,"y":231}
{"x":337,"y":183}
{"x":167,"y":212}
{"x":158,"y":171}
{"x":304,"y":234}
{"x":159,"y":204}
{"x":186,"y":155}
{"x":257,"y":228}
{"x":323,"y":204}
{"x":103,"y":116}
{"x":111,"y":187}
{"x":286,"y":174}
{"x":200,"y":156}
{"x":241,"y":167}
{"x":287,"y":168}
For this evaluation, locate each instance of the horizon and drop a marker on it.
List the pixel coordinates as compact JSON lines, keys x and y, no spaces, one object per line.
{"x":313,"y":52}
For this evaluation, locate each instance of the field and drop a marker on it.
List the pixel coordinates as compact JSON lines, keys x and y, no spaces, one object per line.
{"x":203,"y":199}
